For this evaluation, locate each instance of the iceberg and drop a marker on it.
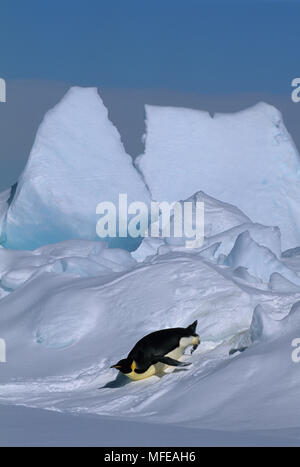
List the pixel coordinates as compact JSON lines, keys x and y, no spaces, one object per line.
{"x":246,"y":158}
{"x":77,"y":161}
{"x":4,"y":205}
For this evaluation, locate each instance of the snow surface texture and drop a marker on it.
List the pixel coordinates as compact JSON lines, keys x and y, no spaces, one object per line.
{"x":247,"y":158}
{"x":70,"y":310}
{"x":223,"y":224}
{"x":70,"y":324}
{"x":77,"y":161}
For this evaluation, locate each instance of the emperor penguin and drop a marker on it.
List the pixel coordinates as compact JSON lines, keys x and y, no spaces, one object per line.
{"x":157,"y":351}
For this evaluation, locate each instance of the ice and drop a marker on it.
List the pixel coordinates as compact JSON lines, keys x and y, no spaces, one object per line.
{"x":4,"y":204}
{"x":267,"y":326}
{"x":260,"y":261}
{"x":71,"y":309}
{"x":242,"y":273}
{"x":246,"y":158}
{"x":77,"y":161}
{"x":263,"y":325}
{"x":279,"y":283}
{"x":80,"y":258}
{"x":265,"y":236}
{"x":223,"y":224}
{"x":291,"y":252}
{"x":219,"y":216}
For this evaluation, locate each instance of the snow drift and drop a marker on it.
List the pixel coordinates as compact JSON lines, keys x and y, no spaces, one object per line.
{"x":70,"y":324}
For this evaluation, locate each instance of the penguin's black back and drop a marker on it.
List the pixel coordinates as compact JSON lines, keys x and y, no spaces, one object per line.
{"x":157,"y":344}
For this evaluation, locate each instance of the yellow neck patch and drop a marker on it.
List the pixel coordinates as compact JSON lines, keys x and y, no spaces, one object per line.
{"x":133,"y":365}
{"x":138,"y":376}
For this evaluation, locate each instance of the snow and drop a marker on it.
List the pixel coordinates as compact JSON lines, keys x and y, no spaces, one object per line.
{"x":77,"y":161}
{"x":258,"y":259}
{"x":39,"y":428}
{"x":70,"y":306}
{"x":223,"y":224}
{"x":80,"y":258}
{"x":246,"y":158}
{"x":74,"y":326}
{"x":4,"y":198}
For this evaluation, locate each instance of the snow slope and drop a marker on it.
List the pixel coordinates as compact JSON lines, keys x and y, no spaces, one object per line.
{"x":34,"y":427}
{"x":77,"y":161}
{"x":65,"y":328}
{"x":247,"y":159}
{"x":70,"y":309}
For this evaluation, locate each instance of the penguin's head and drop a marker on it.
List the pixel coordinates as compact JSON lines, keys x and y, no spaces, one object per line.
{"x":125,"y":366}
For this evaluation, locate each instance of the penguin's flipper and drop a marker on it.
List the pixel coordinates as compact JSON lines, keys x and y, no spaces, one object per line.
{"x":171,"y":362}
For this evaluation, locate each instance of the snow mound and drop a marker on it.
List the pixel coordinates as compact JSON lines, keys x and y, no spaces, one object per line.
{"x":279,"y":283}
{"x":247,"y":159}
{"x":223,"y":224}
{"x":219,"y":216}
{"x":77,"y":161}
{"x":266,"y":325}
{"x":263,"y":325}
{"x":81,"y":258}
{"x":58,"y":311}
{"x":260,"y":261}
{"x":70,"y":330}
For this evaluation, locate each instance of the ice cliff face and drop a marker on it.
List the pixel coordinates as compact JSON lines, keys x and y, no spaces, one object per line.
{"x":247,"y":159}
{"x":4,"y":198}
{"x":77,"y":161}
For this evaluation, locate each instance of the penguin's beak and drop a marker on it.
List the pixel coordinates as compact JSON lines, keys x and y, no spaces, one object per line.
{"x":116,"y":366}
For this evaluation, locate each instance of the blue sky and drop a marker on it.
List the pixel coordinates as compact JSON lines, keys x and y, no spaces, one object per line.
{"x":194,"y":45}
